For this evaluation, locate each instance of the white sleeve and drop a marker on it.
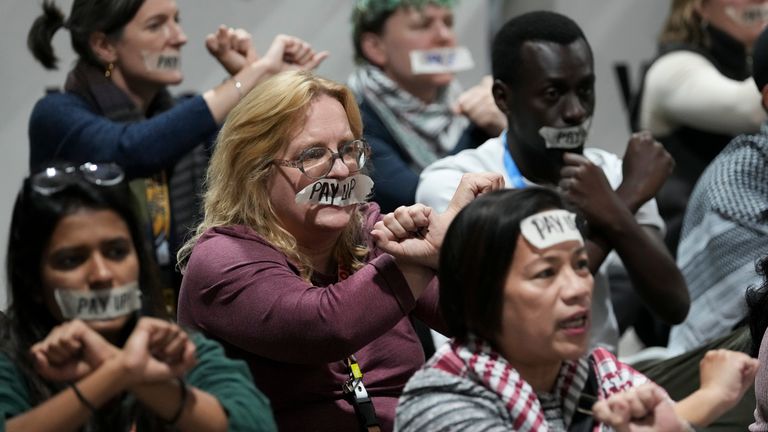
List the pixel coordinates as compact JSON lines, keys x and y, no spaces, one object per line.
{"x":648,"y":215}
{"x":687,"y":89}
{"x":438,"y":183}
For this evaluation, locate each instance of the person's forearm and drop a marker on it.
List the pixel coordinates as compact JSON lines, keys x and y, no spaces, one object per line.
{"x":417,"y":276}
{"x":597,"y":251}
{"x":701,"y":408}
{"x":222,"y":98}
{"x":201,"y":411}
{"x":628,"y":194}
{"x":256,"y":293}
{"x":65,"y":411}
{"x":651,"y":268}
{"x":428,"y":308}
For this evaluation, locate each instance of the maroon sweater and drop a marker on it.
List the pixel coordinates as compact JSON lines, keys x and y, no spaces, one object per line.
{"x":294,"y":334}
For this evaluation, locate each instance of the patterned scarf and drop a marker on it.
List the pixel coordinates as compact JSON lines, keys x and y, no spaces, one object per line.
{"x":425,"y":132}
{"x":476,"y":360}
{"x":735,"y":190}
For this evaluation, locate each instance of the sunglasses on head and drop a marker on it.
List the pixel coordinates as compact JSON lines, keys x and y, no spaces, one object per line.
{"x":54,"y":179}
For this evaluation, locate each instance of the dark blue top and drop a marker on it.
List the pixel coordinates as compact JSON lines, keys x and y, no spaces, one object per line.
{"x":64,"y":126}
{"x":394,"y":177}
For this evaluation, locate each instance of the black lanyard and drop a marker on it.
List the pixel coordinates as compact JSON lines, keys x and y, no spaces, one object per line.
{"x":355,"y":392}
{"x":581,"y":421}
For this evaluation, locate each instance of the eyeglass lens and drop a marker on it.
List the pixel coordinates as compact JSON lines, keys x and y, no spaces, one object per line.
{"x":317,"y":162}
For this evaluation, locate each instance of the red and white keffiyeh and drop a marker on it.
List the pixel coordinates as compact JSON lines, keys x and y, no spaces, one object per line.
{"x":476,"y":360}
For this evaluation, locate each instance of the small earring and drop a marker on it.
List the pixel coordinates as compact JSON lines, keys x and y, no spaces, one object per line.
{"x":108,"y":70}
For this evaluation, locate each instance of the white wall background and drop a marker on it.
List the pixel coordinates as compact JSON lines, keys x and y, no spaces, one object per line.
{"x":619,"y":31}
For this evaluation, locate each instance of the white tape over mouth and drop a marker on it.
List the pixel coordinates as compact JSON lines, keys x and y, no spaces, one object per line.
{"x":168,"y":60}
{"x":567,"y":138}
{"x":550,"y":227}
{"x":100,"y":304}
{"x":749,"y":15}
{"x":441,"y":60}
{"x":352,"y":190}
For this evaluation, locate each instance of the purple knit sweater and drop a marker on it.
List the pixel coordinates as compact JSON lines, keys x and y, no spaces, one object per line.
{"x":294,"y":334}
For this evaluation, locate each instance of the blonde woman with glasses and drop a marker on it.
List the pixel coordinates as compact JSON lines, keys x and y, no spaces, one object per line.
{"x":289,"y":268}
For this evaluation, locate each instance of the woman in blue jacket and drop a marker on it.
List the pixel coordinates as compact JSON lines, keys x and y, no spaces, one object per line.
{"x":115,"y":106}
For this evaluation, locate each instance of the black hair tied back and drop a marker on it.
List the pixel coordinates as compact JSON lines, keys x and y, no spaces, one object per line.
{"x":40,"y":37}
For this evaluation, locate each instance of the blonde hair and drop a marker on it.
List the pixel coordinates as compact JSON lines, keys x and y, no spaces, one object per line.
{"x":255,"y":131}
{"x":684,"y":25}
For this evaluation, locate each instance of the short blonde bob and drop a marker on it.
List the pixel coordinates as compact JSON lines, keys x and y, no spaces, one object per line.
{"x":255,"y":132}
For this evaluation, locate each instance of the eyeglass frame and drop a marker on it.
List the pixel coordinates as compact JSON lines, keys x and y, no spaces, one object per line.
{"x":82,"y":170}
{"x":299,"y":163}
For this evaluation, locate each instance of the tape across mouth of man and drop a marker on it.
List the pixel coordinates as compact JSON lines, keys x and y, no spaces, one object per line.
{"x":566,"y":138}
{"x":441,"y":60}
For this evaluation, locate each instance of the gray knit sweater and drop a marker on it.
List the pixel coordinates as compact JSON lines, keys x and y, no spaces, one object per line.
{"x":453,"y":403}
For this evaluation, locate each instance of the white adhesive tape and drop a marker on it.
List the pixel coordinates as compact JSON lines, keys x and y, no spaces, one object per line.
{"x":352,"y":190}
{"x":167,"y":60}
{"x":550,"y":227}
{"x":749,"y":15}
{"x":99,"y":304}
{"x":567,"y":138}
{"x":441,"y":60}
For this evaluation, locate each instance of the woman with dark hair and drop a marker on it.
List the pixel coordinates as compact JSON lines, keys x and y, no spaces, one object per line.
{"x":85,"y":344}
{"x":516,"y":293}
{"x":115,"y":106}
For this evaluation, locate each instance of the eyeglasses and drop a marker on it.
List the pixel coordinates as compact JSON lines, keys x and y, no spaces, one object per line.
{"x":56,"y":178}
{"x":317,"y":162}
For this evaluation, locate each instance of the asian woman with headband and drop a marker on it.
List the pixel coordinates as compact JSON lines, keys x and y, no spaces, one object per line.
{"x":516,"y":292}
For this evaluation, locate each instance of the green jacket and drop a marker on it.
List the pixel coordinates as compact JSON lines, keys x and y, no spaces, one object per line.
{"x":228,"y":380}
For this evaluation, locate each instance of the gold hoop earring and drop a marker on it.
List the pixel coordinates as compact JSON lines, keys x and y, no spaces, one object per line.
{"x":108,"y":70}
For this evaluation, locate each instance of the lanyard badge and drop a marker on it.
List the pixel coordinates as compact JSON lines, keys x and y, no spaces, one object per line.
{"x":355,"y":392}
